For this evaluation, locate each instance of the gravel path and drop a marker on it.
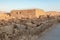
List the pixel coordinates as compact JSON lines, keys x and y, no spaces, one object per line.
{"x":51,"y":34}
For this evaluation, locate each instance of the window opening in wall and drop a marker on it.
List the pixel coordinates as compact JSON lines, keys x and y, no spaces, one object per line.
{"x":16,"y":12}
{"x":20,"y":12}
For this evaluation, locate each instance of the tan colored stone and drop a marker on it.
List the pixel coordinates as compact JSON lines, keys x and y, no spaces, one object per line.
{"x":29,"y":13}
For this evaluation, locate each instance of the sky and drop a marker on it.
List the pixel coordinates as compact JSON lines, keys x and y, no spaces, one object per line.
{"x":47,"y":5}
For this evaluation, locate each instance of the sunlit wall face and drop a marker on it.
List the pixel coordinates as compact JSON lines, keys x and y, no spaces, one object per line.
{"x":7,"y":5}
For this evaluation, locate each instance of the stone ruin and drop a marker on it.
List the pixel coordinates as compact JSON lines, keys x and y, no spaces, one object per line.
{"x":13,"y":27}
{"x":23,"y":14}
{"x":28,"y":13}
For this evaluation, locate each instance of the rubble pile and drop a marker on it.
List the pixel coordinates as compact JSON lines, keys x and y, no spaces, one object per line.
{"x":20,"y":29}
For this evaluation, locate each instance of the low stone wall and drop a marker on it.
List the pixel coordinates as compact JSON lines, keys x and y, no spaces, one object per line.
{"x":18,"y":29}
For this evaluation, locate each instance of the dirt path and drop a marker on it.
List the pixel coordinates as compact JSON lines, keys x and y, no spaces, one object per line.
{"x":52,"y":34}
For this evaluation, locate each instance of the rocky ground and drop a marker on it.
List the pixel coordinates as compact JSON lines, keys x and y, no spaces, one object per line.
{"x":24,"y":29}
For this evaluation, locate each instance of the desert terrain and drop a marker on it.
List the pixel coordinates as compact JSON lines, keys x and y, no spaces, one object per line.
{"x":26,"y":24}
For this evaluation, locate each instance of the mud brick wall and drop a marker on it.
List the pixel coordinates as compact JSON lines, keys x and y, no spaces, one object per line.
{"x":30,"y":13}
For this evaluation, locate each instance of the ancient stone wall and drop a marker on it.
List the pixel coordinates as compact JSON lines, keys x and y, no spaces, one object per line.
{"x":23,"y":13}
{"x":29,"y":13}
{"x":53,"y":13}
{"x":40,"y":12}
{"x":4,"y":16}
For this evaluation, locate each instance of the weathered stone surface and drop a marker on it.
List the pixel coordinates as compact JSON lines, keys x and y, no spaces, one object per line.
{"x":8,"y":29}
{"x":25,"y":29}
{"x":28,"y":29}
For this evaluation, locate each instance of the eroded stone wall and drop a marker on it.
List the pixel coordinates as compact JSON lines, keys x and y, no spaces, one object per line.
{"x":23,"y":13}
{"x":4,"y":16}
{"x":53,"y":13}
{"x":29,"y":13}
{"x":29,"y":29}
{"x":40,"y":12}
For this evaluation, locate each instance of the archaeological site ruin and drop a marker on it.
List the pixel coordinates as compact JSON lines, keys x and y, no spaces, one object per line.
{"x":26,"y":24}
{"x":28,"y":13}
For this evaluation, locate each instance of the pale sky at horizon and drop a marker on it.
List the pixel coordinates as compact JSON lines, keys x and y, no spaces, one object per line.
{"x":47,"y":5}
